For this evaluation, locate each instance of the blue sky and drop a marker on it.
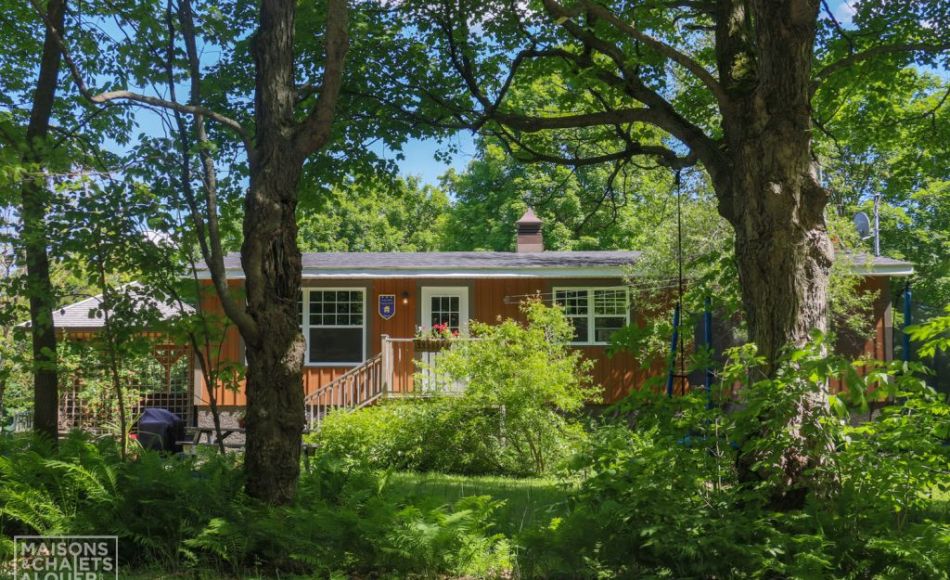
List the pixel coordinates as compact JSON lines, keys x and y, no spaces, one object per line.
{"x":420,"y":158}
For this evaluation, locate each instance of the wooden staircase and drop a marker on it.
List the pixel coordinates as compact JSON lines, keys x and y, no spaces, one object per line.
{"x":358,"y":387}
{"x":404,"y":367}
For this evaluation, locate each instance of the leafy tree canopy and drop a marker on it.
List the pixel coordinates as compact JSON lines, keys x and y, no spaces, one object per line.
{"x":374,"y":215}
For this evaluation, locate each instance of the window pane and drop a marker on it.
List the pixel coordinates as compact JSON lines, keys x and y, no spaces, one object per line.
{"x":336,"y":345}
{"x":336,"y":308}
{"x":610,"y":302}
{"x":574,"y":302}
{"x":580,"y":328}
{"x":446,"y":310}
{"x":604,"y":327}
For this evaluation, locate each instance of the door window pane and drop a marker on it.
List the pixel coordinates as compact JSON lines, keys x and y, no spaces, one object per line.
{"x":446,"y":310}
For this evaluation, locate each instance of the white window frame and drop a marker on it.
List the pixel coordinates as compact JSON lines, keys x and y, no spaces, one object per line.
{"x":591,"y":316}
{"x":305,"y":325}
{"x":429,"y":292}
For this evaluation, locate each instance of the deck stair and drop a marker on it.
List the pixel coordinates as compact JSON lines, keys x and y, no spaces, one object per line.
{"x":404,"y":367}
{"x":357,"y":388}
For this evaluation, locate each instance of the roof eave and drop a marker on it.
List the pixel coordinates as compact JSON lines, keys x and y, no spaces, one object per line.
{"x":898,"y":270}
{"x":449,"y":273}
{"x":891,"y":270}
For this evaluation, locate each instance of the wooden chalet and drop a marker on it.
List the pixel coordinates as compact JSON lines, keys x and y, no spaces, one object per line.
{"x":361,"y":313}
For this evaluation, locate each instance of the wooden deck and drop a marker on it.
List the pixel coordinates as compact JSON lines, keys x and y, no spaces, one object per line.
{"x":404,"y":367}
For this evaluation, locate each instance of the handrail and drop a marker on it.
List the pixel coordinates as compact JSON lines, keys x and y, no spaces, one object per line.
{"x":356,"y":388}
{"x":353,"y":371}
{"x":402,"y":368}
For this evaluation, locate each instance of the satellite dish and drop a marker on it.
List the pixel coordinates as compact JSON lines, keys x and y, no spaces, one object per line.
{"x":863,"y":224}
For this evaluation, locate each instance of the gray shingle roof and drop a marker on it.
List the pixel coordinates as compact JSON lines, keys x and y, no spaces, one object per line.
{"x":341,"y":261}
{"x":456,"y":260}
{"x":865,"y":259}
{"x":86,"y":314}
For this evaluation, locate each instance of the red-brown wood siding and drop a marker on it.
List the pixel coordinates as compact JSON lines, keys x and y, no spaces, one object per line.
{"x":232,"y":350}
{"x":617,"y":375}
{"x":876,"y":344}
{"x":401,"y":325}
{"x":489,"y":297}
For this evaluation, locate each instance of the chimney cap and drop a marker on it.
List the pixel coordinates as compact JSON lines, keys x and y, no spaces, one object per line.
{"x":529,"y":217}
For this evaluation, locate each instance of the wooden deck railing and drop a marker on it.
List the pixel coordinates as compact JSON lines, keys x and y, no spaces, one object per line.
{"x":413,"y":367}
{"x":404,"y":367}
{"x":358,"y":387}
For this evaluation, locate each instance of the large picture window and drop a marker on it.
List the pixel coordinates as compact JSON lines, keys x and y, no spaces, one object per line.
{"x":595,"y":313}
{"x":334,"y":323}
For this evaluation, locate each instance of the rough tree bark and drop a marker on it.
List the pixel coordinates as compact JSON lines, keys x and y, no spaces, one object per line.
{"x":772,"y":198}
{"x":759,"y":161}
{"x":770,"y":192}
{"x":34,"y":241}
{"x":270,"y":256}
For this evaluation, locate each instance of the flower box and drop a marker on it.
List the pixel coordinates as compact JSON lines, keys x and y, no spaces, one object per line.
{"x":429,"y":344}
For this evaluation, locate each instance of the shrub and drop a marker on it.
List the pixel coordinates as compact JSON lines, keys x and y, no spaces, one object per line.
{"x":516,"y":416}
{"x":153,"y":503}
{"x":384,"y":435}
{"x":434,"y":434}
{"x":665,"y":497}
{"x":531,"y":376}
{"x":178,"y":514}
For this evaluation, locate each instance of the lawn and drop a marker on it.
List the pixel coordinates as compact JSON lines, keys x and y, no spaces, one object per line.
{"x":528,"y":502}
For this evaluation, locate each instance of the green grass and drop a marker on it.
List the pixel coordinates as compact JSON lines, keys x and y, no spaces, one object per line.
{"x":528,"y":502}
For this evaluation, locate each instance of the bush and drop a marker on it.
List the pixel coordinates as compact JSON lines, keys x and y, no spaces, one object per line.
{"x":665,"y":498}
{"x":436,"y":434}
{"x":152,"y":503}
{"x":179,"y":514}
{"x":516,"y":416}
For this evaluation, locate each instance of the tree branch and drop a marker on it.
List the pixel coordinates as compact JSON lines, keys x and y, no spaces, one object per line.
{"x":105,"y":97}
{"x":664,"y":156}
{"x":661,"y":47}
{"x":870,"y":53}
{"x":834,"y":21}
{"x":181,"y":108}
{"x":314,"y":132}
{"x":665,"y":115}
{"x":534,"y":124}
{"x":212,"y":251}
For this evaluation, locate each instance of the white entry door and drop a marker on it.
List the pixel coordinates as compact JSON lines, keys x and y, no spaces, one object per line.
{"x":440,"y":305}
{"x":445,"y":305}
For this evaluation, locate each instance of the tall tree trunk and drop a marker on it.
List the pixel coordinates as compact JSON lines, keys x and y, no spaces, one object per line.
{"x":770,"y":192}
{"x":34,"y":200}
{"x":775,"y":203}
{"x":271,"y":261}
{"x":275,"y":397}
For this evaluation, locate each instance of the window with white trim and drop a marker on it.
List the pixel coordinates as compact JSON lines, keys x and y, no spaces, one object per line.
{"x":595,"y":313}
{"x":334,"y":324}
